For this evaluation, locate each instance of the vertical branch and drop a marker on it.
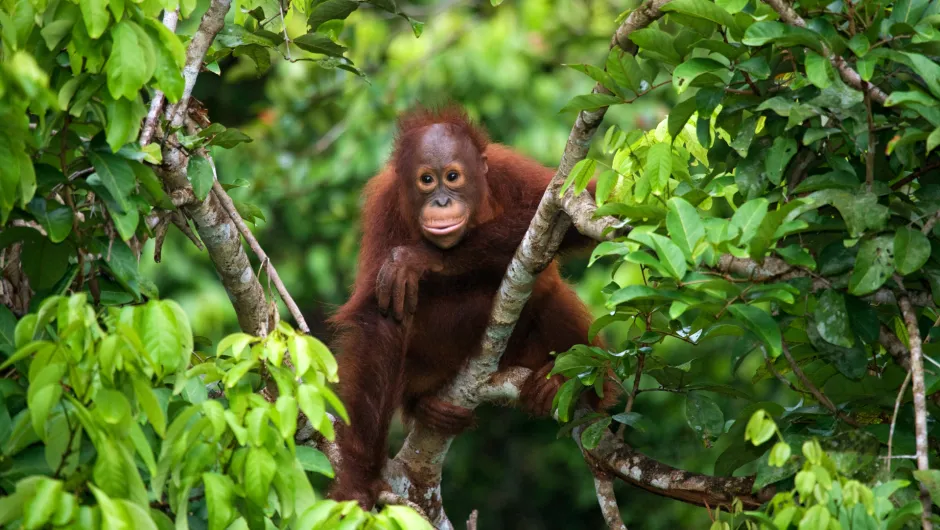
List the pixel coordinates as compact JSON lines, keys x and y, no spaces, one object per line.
{"x":919,"y":391}
{"x":604,"y":486}
{"x":870,"y":155}
{"x":170,"y":19}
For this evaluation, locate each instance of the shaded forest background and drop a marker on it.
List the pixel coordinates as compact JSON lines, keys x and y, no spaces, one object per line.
{"x":320,"y":134}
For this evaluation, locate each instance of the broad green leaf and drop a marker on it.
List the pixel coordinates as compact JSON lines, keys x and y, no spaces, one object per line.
{"x":911,"y":250}
{"x":55,"y":218}
{"x":590,"y":102}
{"x":319,"y":43}
{"x":656,"y":42}
{"x":933,"y":140}
{"x":96,"y":16}
{"x":859,"y":44}
{"x":704,"y":416}
{"x":860,"y":210}
{"x":748,"y":218}
{"x":684,"y":225}
{"x":158,"y":331}
{"x":818,"y":70}
{"x":778,"y":157}
{"x":220,"y":500}
{"x":927,"y":69}
{"x":679,"y":116}
{"x":199,"y":173}
{"x":41,"y":505}
{"x":580,"y":175}
{"x":874,"y":264}
{"x":259,"y":472}
{"x":832,"y":319}
{"x":930,"y":479}
{"x":124,"y":118}
{"x":147,"y":399}
{"x":816,"y":518}
{"x":670,"y":255}
{"x":761,"y":324}
{"x":127,"y":65}
{"x":910,"y":96}
{"x":330,"y":10}
{"x":168,"y":70}
{"x":687,"y":72}
{"x":702,"y":9}
{"x":796,"y":255}
{"x":658,"y":166}
{"x":626,"y":72}
{"x":780,"y":34}
{"x":592,"y":434}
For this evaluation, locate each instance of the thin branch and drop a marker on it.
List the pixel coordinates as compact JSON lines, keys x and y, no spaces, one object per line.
{"x":170,"y":19}
{"x":210,"y":25}
{"x":850,"y":76}
{"x":229,"y":207}
{"x":928,"y":226}
{"x":894,"y":417}
{"x":473,"y":521}
{"x":919,"y":391}
{"x":820,"y":397}
{"x":915,"y":175}
{"x":631,"y":399}
{"x":870,"y":155}
{"x":604,"y":486}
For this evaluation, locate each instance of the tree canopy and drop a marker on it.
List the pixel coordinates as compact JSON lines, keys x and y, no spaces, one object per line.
{"x":766,"y":207}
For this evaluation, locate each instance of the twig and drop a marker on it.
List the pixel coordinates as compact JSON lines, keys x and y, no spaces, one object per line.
{"x":473,"y":520}
{"x":928,"y":226}
{"x":894,"y":417}
{"x":919,"y":391}
{"x":820,"y":397}
{"x":170,"y":19}
{"x":229,"y":207}
{"x":280,"y":9}
{"x":210,"y":25}
{"x":640,"y":360}
{"x":604,"y":486}
{"x":870,"y":155}
{"x":159,"y":234}
{"x":850,"y":76}
{"x":180,"y":221}
{"x":910,"y":178}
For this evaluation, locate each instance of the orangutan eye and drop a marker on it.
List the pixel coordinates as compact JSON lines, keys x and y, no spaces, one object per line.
{"x":452,"y":176}
{"x":427,"y":179}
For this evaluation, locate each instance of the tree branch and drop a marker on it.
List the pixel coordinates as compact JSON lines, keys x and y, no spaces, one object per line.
{"x":170,"y":19}
{"x":808,"y":385}
{"x":850,"y":76}
{"x":919,"y":391}
{"x":213,"y":223}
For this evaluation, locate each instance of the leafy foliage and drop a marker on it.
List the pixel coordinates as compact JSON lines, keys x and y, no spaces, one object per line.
{"x":779,"y":205}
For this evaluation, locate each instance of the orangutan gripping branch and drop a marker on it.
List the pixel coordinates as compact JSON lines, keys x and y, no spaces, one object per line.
{"x":441,"y":224}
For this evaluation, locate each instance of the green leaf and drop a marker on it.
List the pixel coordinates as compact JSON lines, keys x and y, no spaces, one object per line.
{"x":748,"y":218}
{"x":592,"y":434}
{"x":860,"y":210}
{"x":168,"y":70}
{"x":874,"y":264}
{"x":96,"y":16}
{"x":690,"y":70}
{"x":124,"y":117}
{"x":760,"y":428}
{"x":45,"y":262}
{"x":933,"y":140}
{"x":148,"y":401}
{"x":702,"y":9}
{"x":330,"y":10}
{"x":780,"y":34}
{"x":580,"y":175}
{"x":778,"y":157}
{"x":625,"y":71}
{"x":41,"y":505}
{"x":761,"y":324}
{"x":832,"y":319}
{"x":220,"y":500}
{"x":910,"y":96}
{"x":796,"y":255}
{"x":319,"y":43}
{"x":818,"y":70}
{"x":57,"y":221}
{"x":863,"y":319}
{"x":315,"y":461}
{"x":656,"y":42}
{"x":259,"y":472}
{"x":679,"y":116}
{"x":670,"y":255}
{"x":403,"y":515}
{"x":859,"y":44}
{"x":816,"y":518}
{"x":160,"y":333}
{"x":927,"y":69}
{"x":930,"y":479}
{"x":658,"y":166}
{"x":684,"y":225}
{"x":116,"y":176}
{"x":590,"y":102}
{"x":911,"y":250}
{"x":704,"y":416}
{"x":127,"y":65}
{"x":199,"y":173}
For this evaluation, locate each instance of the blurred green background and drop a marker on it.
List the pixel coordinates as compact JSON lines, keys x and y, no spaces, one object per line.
{"x":320,"y":134}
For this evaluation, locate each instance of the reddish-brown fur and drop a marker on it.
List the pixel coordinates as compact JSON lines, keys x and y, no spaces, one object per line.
{"x":385,"y":364}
